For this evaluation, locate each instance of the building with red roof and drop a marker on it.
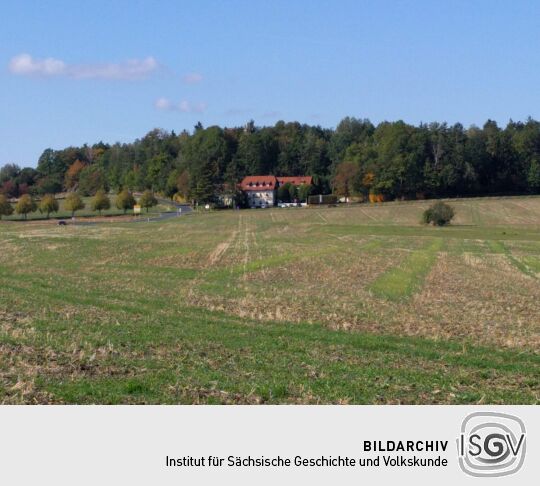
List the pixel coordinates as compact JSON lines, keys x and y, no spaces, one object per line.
{"x":261,"y":190}
{"x":295,"y":180}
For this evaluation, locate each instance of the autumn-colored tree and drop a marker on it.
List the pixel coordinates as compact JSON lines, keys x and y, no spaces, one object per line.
{"x":9,"y":189}
{"x":148,"y":200}
{"x":48,"y":205}
{"x":73,"y":203}
{"x":368,"y":180}
{"x":182,"y":184}
{"x":346,"y":179}
{"x":125,"y":200}
{"x":25,"y":205}
{"x":72,"y":174}
{"x":6,"y":209}
{"x":100,"y":202}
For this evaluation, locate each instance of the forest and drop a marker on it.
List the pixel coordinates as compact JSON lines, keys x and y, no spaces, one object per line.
{"x":394,"y":159}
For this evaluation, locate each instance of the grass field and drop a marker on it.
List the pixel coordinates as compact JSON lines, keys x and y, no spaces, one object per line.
{"x":330,"y":305}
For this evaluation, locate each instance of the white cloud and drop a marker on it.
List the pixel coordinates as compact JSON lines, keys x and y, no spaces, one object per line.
{"x":192,"y":78}
{"x":163,"y":104}
{"x":26,"y":65}
{"x":184,"y":106}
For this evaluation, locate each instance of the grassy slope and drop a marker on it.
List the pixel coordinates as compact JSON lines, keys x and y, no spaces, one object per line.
{"x":103,"y":315}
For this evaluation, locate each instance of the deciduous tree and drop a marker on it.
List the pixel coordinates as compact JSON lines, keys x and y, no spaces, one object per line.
{"x":533,"y":176}
{"x":48,"y":205}
{"x":73,"y":203}
{"x":25,"y":205}
{"x":71,"y":178}
{"x":346,"y":180}
{"x":148,"y":200}
{"x":100,"y":202}
{"x":125,"y":200}
{"x":6,"y":209}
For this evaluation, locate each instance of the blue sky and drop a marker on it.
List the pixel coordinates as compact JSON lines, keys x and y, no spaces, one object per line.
{"x":76,"y":72}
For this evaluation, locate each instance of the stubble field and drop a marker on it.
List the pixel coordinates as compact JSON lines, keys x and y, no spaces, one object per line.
{"x":330,"y":305}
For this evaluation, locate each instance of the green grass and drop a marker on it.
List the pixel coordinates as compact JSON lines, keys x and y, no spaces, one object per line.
{"x":522,"y":266}
{"x":273,"y":307}
{"x":402,"y":281}
{"x":210,"y":357}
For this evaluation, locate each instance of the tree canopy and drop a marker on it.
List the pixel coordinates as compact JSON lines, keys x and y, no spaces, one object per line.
{"x":394,"y":159}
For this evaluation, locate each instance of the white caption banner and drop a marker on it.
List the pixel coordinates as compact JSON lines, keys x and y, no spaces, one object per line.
{"x":161,"y":445}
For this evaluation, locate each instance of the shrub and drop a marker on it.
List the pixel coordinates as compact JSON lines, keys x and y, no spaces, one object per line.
{"x":439,"y":214}
{"x":284,"y":192}
{"x":304,"y":191}
{"x":179,"y":198}
{"x":376,"y":198}
{"x":6,"y":209}
{"x":25,"y":205}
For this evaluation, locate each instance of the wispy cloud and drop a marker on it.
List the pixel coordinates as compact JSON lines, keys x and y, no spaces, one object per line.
{"x":26,"y":65}
{"x":192,"y":78}
{"x":163,"y":104}
{"x":184,"y":106}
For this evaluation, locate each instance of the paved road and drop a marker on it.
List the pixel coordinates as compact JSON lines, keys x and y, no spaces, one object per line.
{"x":181,"y":210}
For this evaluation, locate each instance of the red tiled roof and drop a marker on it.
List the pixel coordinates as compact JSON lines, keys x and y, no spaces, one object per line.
{"x":296,"y":180}
{"x":258,"y":183}
{"x":268,"y":182}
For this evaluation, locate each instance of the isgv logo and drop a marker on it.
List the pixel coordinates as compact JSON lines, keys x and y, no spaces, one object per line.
{"x":491,"y":444}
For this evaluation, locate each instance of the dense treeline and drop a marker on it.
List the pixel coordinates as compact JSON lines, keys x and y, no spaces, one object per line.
{"x":396,"y":160}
